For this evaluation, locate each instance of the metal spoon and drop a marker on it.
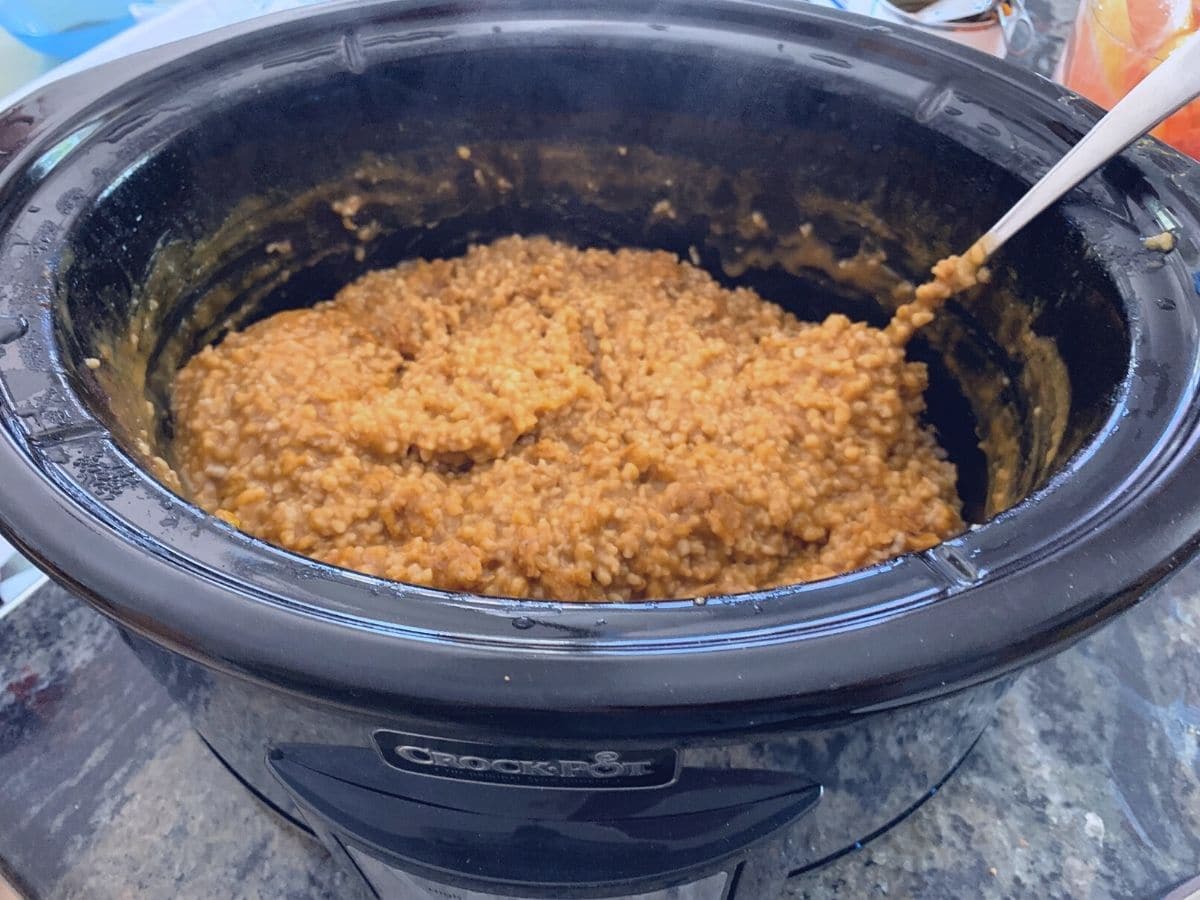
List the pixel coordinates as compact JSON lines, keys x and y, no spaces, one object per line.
{"x":1171,"y":85}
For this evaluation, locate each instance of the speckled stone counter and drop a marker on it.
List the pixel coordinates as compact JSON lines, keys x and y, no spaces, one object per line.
{"x":1086,"y":786}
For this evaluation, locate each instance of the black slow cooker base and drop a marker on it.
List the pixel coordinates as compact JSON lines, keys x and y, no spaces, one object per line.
{"x":287,"y":816}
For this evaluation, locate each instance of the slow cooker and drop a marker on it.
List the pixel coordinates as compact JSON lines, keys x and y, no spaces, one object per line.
{"x":446,"y":745}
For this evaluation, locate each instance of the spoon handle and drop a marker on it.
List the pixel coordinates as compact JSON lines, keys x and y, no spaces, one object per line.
{"x":1171,"y":85}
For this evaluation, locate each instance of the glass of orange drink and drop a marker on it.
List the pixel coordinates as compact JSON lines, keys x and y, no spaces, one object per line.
{"x":1116,"y":43}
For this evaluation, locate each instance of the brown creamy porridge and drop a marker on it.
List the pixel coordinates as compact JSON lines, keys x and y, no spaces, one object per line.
{"x":536,"y":420}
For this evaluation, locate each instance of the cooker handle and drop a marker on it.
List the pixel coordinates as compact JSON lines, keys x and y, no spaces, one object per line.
{"x":21,"y":126}
{"x":27,"y":126}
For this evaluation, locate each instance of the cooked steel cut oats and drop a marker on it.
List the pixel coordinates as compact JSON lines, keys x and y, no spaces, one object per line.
{"x":536,"y":420}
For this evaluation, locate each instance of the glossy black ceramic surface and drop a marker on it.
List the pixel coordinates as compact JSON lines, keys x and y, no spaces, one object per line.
{"x":166,"y":177}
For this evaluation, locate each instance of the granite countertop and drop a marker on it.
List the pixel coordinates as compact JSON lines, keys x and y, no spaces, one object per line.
{"x":1086,"y":786}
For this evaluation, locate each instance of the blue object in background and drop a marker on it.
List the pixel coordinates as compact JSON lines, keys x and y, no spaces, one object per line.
{"x":64,"y":28}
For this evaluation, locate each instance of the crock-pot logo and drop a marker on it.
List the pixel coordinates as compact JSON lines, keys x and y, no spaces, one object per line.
{"x":542,"y":767}
{"x":605,"y":764}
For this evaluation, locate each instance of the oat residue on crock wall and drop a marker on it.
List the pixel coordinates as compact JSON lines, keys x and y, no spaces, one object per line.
{"x":1163,"y":242}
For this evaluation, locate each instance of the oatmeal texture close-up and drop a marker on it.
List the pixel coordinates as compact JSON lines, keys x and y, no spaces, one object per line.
{"x":536,"y":420}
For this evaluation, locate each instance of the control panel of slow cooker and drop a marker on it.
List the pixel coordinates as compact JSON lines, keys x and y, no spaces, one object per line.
{"x":638,"y":812}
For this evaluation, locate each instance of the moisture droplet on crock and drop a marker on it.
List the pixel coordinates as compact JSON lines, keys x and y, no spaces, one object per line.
{"x":524,"y":623}
{"x":1165,"y":303}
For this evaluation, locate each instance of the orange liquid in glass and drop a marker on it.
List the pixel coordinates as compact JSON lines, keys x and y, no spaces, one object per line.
{"x":1116,"y":43}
